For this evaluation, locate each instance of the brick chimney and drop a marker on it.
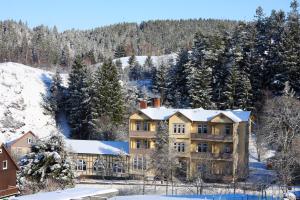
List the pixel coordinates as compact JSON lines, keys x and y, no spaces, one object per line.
{"x":156,"y":102}
{"x":143,"y":104}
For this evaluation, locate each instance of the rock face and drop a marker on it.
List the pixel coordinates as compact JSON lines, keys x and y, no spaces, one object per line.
{"x":21,"y":89}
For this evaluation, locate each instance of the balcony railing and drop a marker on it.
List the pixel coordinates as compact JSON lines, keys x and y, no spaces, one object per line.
{"x":141,"y":151}
{"x":210,"y":137}
{"x":211,"y":156}
{"x":142,"y":134}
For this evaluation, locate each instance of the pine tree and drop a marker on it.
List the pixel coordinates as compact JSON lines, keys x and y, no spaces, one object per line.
{"x":159,"y":86}
{"x":108,"y":95}
{"x":147,"y":68}
{"x":54,"y":99}
{"x":79,"y":106}
{"x":177,"y":84}
{"x":135,"y":69}
{"x":120,"y":51}
{"x":292,"y":46}
{"x":199,"y":75}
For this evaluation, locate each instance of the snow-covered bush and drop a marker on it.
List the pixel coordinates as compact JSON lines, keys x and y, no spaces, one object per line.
{"x":47,"y":167}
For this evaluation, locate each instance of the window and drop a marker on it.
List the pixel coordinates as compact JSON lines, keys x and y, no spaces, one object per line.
{"x":99,"y":165}
{"x":138,"y":144}
{"x":227,"y":148}
{"x":146,"y":126}
{"x":29,"y":140}
{"x":202,"y":147}
{"x":81,"y":165}
{"x":205,"y":128}
{"x":0,"y":150}
{"x":179,"y":128}
{"x":227,"y":129}
{"x":179,"y":146}
{"x":146,"y":144}
{"x":4,"y":165}
{"x":118,"y":168}
{"x":138,"y":125}
{"x":139,"y":163}
{"x":202,"y":128}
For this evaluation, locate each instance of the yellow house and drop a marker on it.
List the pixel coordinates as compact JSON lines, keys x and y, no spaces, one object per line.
{"x":99,"y":158}
{"x":216,"y":140}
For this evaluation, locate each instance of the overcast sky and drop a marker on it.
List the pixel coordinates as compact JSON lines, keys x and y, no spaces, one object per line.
{"x":86,"y":14}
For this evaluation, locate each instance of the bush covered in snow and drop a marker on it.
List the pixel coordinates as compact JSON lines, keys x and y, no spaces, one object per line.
{"x":47,"y":167}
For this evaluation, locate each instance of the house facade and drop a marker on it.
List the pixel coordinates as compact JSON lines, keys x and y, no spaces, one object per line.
{"x":21,"y":146}
{"x":8,"y":171}
{"x":93,"y":158}
{"x":214,"y":140}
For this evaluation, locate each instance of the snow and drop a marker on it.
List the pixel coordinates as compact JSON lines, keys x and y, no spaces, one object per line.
{"x":67,"y":194}
{"x":97,"y":147}
{"x":188,"y":197}
{"x":141,"y":59}
{"x":21,"y":89}
{"x":198,"y":114}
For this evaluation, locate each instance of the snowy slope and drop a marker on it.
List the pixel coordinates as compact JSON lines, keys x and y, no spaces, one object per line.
{"x":141,"y":59}
{"x":21,"y":87}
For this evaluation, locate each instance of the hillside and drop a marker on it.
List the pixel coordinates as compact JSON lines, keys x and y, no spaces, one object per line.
{"x":43,"y":46}
{"x":21,"y":89}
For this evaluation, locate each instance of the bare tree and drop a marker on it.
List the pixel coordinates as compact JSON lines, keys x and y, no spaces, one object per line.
{"x":281,"y":126}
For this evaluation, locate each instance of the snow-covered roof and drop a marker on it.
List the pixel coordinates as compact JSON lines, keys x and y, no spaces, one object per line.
{"x":198,"y":114}
{"x":97,"y":147}
{"x":71,"y":193}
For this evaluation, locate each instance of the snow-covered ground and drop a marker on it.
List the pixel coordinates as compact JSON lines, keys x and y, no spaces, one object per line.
{"x":21,"y":89}
{"x":141,"y":59}
{"x":68,"y":194}
{"x":195,"y":197}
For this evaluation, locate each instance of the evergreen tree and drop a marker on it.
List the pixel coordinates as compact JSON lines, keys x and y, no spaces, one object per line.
{"x":108,"y":96}
{"x":199,"y":74}
{"x":147,"y":68}
{"x":54,"y":100}
{"x":159,"y":86}
{"x":177,"y":85}
{"x":135,"y":69}
{"x":79,"y":108}
{"x":292,"y":46}
{"x":120,"y":51}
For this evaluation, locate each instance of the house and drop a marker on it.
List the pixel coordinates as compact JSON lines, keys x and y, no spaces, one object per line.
{"x":8,"y":173}
{"x":99,"y":158}
{"x":21,"y":146}
{"x":215,"y":140}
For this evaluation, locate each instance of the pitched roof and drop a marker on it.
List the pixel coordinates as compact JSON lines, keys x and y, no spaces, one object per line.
{"x":97,"y":147}
{"x":17,"y":138}
{"x":198,"y":114}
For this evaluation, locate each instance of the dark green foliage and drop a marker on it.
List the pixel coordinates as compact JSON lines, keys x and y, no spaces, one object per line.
{"x":159,"y":85}
{"x":120,"y":51}
{"x":79,"y":108}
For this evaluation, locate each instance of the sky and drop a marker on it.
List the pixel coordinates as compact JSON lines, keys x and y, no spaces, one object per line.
{"x":87,"y":14}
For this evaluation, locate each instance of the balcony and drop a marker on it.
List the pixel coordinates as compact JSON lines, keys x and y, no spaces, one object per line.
{"x":142,"y":134}
{"x":210,"y":137}
{"x":211,"y":156}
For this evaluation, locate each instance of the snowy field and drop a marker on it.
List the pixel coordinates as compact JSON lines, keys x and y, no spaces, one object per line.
{"x":192,"y":197}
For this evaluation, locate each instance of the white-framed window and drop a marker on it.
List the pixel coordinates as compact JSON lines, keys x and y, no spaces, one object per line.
{"x":80,"y":165}
{"x":202,"y":128}
{"x":202,"y":147}
{"x":29,"y":140}
{"x":179,"y":146}
{"x":99,"y":165}
{"x":118,"y":168}
{"x":179,"y":128}
{"x":4,"y":165}
{"x":227,"y":129}
{"x":139,"y":163}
